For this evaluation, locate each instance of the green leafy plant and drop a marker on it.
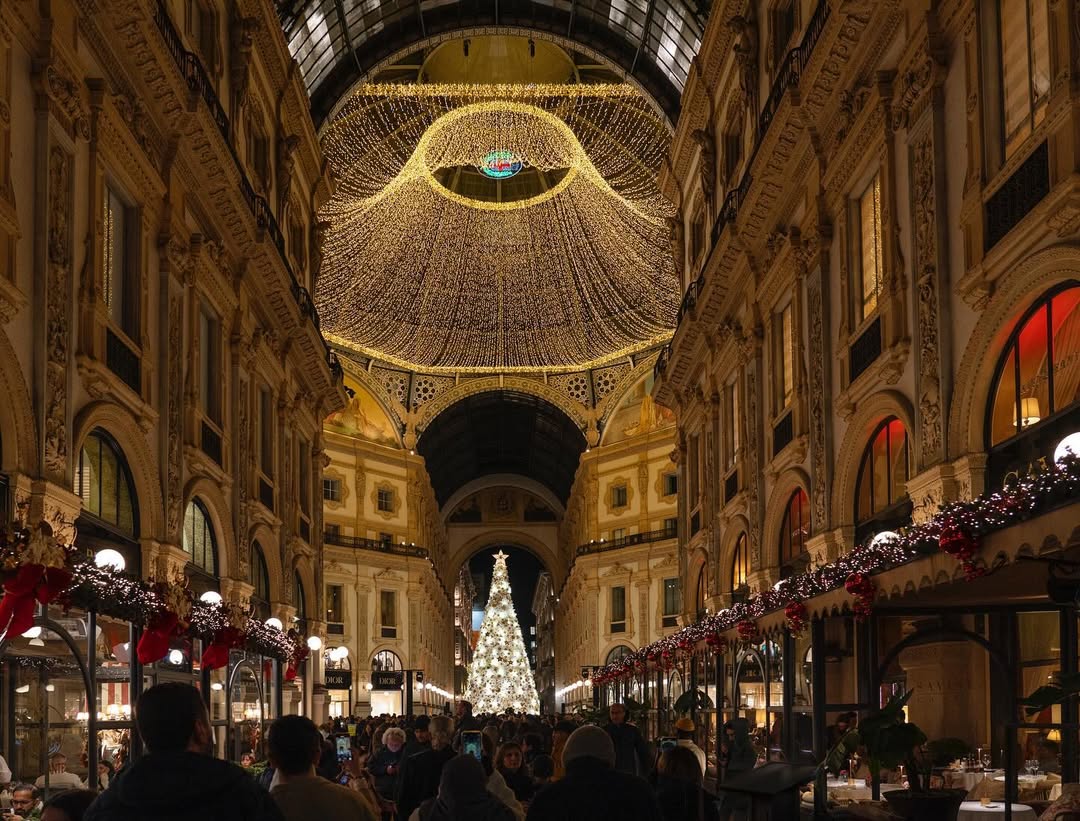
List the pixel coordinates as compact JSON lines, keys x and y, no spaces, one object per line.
{"x":886,"y":740}
{"x":695,"y":699}
{"x":1063,"y":688}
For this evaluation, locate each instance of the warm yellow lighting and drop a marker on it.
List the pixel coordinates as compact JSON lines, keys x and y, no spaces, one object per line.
{"x":1029,"y":411}
{"x":1054,"y":735}
{"x":421,"y":270}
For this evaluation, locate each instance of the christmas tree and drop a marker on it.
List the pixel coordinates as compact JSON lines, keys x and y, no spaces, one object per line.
{"x":500,"y":677}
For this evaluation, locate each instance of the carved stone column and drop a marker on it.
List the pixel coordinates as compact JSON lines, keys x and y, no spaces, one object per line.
{"x":814,"y":257}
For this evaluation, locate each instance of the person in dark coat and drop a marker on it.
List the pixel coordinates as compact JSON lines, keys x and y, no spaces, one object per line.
{"x":420,"y":773}
{"x":737,"y":755}
{"x":679,"y":787}
{"x":421,"y":738}
{"x":592,"y":789}
{"x":463,"y":795}
{"x":631,"y":751}
{"x":176,"y":780}
{"x":385,"y":765}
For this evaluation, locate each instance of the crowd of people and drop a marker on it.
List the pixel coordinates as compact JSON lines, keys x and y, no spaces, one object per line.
{"x":423,"y":768}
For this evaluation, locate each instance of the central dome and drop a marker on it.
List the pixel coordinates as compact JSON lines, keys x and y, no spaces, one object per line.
{"x":497,"y":228}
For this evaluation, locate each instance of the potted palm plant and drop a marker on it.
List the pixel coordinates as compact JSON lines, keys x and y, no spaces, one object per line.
{"x":886,"y":740}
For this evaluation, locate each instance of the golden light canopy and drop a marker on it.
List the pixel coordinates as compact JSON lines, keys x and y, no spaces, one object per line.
{"x":569,"y":269}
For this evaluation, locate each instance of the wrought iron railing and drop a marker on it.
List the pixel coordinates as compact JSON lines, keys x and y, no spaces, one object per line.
{"x":647,"y":537}
{"x":787,"y":77}
{"x":379,"y":546}
{"x":195,"y":76}
{"x":1018,"y":196}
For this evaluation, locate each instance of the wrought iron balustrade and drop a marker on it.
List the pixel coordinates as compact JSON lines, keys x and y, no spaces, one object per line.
{"x":647,"y":537}
{"x":379,"y":546}
{"x":198,"y":82}
{"x":1018,"y":196}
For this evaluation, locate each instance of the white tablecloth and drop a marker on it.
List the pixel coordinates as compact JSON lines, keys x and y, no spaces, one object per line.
{"x":1055,"y":792}
{"x":1023,"y":779}
{"x":858,"y":792}
{"x":965,"y":780}
{"x":974,"y":811}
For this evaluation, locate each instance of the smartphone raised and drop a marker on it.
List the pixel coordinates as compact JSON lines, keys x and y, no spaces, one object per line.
{"x":344,"y":750}
{"x":472,"y":744}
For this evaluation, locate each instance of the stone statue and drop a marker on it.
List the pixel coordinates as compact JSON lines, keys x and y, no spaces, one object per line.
{"x":746,"y":55}
{"x":707,"y":162}
{"x":678,"y":244}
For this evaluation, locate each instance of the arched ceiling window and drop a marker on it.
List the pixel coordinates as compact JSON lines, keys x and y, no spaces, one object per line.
{"x":1038,"y":376}
{"x":385,"y":660}
{"x":103,"y":481}
{"x":617,"y":653}
{"x":199,"y":541}
{"x":880,"y":491}
{"x":740,"y":564}
{"x":260,"y":578}
{"x":795,"y":529}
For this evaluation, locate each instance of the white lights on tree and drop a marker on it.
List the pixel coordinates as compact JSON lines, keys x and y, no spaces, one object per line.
{"x":110,"y":558}
{"x":1070,"y":444}
{"x":500,"y":677}
{"x":210,"y":597}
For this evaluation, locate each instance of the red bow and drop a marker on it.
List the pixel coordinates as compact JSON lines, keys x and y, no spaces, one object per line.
{"x":32,"y":582}
{"x":155,"y":640}
{"x":217,"y":653}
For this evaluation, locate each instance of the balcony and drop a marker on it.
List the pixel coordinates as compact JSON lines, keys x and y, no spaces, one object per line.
{"x":647,"y":537}
{"x":1025,"y":189}
{"x":411,"y":551}
{"x":788,"y":77}
{"x":199,"y":84}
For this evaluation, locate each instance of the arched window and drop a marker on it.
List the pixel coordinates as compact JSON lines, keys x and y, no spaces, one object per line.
{"x":618,"y":652}
{"x":299,"y":597}
{"x":880,"y":492}
{"x":740,"y":565}
{"x":795,"y":529}
{"x":1039,"y":373}
{"x":104,"y":483}
{"x":199,"y":541}
{"x":702,"y":590}
{"x":385,"y":660}
{"x":260,"y":578}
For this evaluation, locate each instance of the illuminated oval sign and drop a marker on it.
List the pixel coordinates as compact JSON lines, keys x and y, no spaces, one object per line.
{"x":501,"y":164}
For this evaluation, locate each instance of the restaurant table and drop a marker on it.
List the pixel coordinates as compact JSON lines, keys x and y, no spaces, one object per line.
{"x":965,"y":780}
{"x":1023,"y":779}
{"x":974,"y":811}
{"x":1055,"y":793}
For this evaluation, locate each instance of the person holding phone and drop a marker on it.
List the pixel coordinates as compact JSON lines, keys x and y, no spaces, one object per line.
{"x":25,"y":803}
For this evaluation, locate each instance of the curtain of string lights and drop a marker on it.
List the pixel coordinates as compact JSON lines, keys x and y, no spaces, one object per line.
{"x":418,"y":273}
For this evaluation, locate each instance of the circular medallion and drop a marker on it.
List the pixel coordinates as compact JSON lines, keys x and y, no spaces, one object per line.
{"x":500,"y":164}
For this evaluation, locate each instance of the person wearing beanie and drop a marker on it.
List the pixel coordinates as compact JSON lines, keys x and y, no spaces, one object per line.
{"x":592,"y":789}
{"x":684,"y":735}
{"x":631,"y":751}
{"x":559,"y":735}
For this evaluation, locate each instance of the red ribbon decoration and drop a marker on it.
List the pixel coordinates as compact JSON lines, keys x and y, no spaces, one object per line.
{"x":155,"y":640}
{"x":862,"y":588}
{"x":217,"y":652}
{"x":33,"y":582}
{"x":796,"y":615}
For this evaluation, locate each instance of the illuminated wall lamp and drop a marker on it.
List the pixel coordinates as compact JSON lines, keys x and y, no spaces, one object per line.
{"x":1029,"y":411}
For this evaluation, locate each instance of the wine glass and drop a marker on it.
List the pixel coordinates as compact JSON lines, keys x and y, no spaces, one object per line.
{"x":986,"y":760}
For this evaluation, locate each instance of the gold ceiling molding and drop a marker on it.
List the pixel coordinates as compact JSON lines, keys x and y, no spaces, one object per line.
{"x":426,"y":277}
